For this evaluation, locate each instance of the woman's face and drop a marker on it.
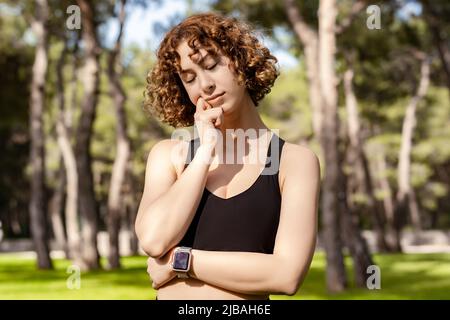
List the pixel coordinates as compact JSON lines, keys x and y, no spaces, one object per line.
{"x":210,"y":77}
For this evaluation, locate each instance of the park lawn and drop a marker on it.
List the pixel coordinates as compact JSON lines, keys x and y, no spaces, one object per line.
{"x":403,"y":276}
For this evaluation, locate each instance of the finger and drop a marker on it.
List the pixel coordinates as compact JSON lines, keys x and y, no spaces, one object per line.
{"x":201,"y":104}
{"x":219,"y":119}
{"x":208,"y":105}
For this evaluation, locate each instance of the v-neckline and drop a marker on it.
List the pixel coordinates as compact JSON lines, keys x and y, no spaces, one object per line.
{"x":254,"y":182}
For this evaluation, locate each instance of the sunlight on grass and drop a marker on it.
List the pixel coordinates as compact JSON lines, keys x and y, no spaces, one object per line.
{"x":412,"y":276}
{"x":20,"y":280}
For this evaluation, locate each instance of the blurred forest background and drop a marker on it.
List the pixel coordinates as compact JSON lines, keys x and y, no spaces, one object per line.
{"x":364,"y":84}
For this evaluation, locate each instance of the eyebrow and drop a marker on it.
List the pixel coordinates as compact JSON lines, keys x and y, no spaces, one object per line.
{"x":199,"y":62}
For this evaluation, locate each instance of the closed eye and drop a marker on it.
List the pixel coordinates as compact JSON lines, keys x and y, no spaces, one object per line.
{"x":212,"y":67}
{"x":208,"y":68}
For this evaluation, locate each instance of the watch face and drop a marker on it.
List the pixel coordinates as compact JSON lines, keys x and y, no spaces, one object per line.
{"x":181,"y":260}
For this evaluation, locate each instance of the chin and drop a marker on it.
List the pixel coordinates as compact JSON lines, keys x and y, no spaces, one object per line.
{"x":229,"y":107}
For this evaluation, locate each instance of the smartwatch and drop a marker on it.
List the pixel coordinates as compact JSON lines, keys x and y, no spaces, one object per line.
{"x":181,"y":261}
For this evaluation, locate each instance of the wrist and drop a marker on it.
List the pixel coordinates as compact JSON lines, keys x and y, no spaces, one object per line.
{"x":191,"y":272}
{"x":171,"y":252}
{"x":205,"y":153}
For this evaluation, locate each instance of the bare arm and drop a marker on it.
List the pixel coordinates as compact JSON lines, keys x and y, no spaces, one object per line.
{"x":285,"y":269}
{"x":168,"y":205}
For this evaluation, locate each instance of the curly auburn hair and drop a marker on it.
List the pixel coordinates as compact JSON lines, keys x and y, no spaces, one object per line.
{"x":254,"y":65}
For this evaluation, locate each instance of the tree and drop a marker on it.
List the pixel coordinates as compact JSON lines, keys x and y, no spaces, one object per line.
{"x":336,"y":278}
{"x":115,"y":203}
{"x":406,"y":199}
{"x":16,"y":62}
{"x":320,"y":50}
{"x":69,"y":162}
{"x":359,"y":174}
{"x":87,"y":202}
{"x":37,"y":201}
{"x":310,"y":41}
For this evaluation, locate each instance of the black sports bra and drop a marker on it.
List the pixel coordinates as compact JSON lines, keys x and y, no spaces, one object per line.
{"x":247,"y":221}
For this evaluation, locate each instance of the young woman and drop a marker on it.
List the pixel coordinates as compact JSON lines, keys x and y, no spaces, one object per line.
{"x":218,"y":229}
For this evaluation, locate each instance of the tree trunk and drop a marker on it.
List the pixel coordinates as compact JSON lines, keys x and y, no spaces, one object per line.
{"x":123,"y":150}
{"x":379,"y":218}
{"x":392,"y":236}
{"x":87,"y":202}
{"x":413,"y":208}
{"x":356,"y":160}
{"x":309,"y":38}
{"x":403,"y":199}
{"x":63,"y":139}
{"x":37,"y":206}
{"x":336,"y":276}
{"x":56,"y":205}
{"x":132,"y":208}
{"x":354,"y":241}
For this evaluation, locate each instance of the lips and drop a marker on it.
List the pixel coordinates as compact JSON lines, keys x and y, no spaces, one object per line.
{"x":215,"y":97}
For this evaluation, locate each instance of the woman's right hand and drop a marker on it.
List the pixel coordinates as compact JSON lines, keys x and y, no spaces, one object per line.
{"x":207,"y":119}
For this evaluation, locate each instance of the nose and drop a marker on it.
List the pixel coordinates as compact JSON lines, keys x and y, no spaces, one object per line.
{"x":207,"y":84}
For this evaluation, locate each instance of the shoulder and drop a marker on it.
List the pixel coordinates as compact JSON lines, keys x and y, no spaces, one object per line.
{"x":162,"y":148}
{"x":171,"y":151}
{"x":298,"y":161}
{"x":293,"y":154}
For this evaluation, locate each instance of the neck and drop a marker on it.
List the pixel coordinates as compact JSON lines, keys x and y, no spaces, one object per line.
{"x":243,"y":117}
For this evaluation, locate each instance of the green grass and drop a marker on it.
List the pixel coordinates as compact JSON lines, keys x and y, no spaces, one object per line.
{"x":403,"y":276}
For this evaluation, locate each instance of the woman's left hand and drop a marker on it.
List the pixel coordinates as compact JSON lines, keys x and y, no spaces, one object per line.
{"x":160,"y":270}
